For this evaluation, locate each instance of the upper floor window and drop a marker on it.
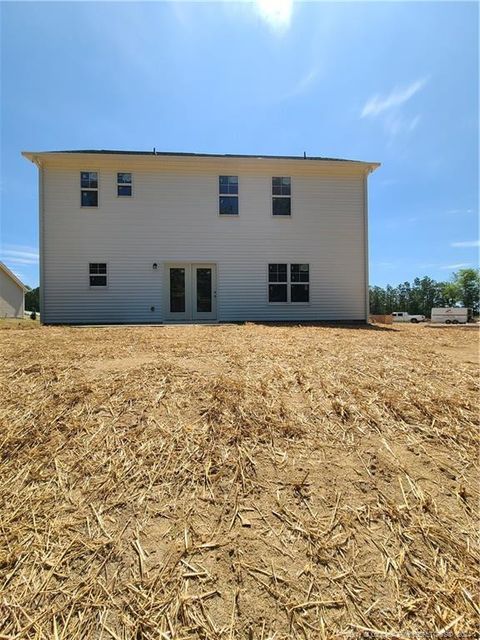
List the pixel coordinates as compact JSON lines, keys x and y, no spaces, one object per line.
{"x":124,"y":184}
{"x":281,"y":197}
{"x":98,"y":274}
{"x":89,"y":188}
{"x":289,"y":283}
{"x":228,"y":195}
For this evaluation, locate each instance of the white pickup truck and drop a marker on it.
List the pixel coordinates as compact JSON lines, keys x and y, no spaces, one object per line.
{"x":452,"y":315}
{"x":403,"y":316}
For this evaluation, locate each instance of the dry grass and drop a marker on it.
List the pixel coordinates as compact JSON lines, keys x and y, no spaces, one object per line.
{"x":18,"y":323}
{"x":238,"y":482}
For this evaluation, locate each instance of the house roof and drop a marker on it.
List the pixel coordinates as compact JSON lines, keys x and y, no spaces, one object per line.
{"x":9,"y":273}
{"x":31,"y":154}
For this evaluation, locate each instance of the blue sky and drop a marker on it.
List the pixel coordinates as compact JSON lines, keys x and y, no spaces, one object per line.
{"x":389,"y":82}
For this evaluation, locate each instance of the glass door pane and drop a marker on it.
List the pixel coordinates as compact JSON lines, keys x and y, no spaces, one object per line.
{"x":204,"y":290}
{"x":177,"y":290}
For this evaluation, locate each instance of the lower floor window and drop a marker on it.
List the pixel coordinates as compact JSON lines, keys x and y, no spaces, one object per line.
{"x":98,"y":274}
{"x":289,"y":282}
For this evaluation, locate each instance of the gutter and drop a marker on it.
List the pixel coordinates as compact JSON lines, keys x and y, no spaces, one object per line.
{"x":37,"y":161}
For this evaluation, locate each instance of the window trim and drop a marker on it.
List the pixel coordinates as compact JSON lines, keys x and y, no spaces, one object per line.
{"x":289,"y":285}
{"x":272,"y":196}
{"x":122,"y":184}
{"x":100,"y":287}
{"x":82,"y":206}
{"x":232,"y":195}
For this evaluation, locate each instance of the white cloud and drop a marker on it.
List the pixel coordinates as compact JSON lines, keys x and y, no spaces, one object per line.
{"x":18,"y":254}
{"x":467,"y":243}
{"x":378,"y":104}
{"x":460,"y":265}
{"x":302,"y":86}
{"x":305,"y":82}
{"x":457,"y":211}
{"x":276,"y":13}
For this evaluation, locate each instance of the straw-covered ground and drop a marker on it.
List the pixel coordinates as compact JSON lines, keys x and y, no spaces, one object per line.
{"x":247,"y":482}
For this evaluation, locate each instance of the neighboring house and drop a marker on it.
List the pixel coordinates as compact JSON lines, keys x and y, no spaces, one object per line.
{"x":12,"y":294}
{"x":140,"y":237}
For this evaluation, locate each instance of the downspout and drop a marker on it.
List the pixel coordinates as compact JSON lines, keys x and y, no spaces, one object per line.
{"x":41,"y":238}
{"x":365,"y":220}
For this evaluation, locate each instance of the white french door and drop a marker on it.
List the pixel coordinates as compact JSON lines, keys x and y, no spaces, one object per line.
{"x":191,"y":292}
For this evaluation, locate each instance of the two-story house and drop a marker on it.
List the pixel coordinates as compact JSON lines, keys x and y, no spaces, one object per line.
{"x":148,"y":237}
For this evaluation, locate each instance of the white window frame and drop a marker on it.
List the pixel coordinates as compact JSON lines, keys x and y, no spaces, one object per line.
{"x":289,"y":284}
{"x":97,"y":189}
{"x":289,"y":197}
{"x":229,"y":195}
{"x":98,"y":286}
{"x":125,"y":184}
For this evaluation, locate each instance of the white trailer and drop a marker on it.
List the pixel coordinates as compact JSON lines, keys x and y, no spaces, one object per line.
{"x":451,"y":315}
{"x":403,"y":316}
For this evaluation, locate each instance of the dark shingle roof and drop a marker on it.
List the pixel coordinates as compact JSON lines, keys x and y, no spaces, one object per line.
{"x":201,"y":155}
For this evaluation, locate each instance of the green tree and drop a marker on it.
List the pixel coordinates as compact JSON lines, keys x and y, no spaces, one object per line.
{"x":377,"y":300}
{"x":449,"y":294}
{"x":404,"y":296}
{"x":468,"y":283}
{"x":427,"y":296}
{"x":32,"y":299}
{"x":391,"y":299}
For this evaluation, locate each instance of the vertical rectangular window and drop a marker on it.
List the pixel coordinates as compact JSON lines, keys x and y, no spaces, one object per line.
{"x":277,"y":283}
{"x":88,"y":188}
{"x":98,"y":274}
{"x":299,"y":283}
{"x":281,"y":196}
{"x":204,"y":290}
{"x":228,"y":195}
{"x":124,"y":184}
{"x":177,"y":290}
{"x":289,"y":283}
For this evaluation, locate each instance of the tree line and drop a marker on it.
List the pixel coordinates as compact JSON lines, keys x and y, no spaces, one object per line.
{"x":423,"y":294}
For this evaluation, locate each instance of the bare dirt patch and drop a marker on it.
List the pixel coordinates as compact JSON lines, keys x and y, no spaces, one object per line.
{"x":238,"y":482}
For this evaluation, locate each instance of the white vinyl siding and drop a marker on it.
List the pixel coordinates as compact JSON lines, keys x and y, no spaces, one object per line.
{"x":12,"y":297}
{"x":174,"y":219}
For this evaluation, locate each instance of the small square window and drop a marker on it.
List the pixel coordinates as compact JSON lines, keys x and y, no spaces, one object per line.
{"x":124,"y":190}
{"x":89,"y":179}
{"x":300,"y":293}
{"x":124,"y":184}
{"x":277,"y":272}
{"x":281,"y":207}
{"x":98,"y":274}
{"x":228,"y":206}
{"x":228,"y":184}
{"x":277,"y":293}
{"x":281,"y":186}
{"x":299,"y":272}
{"x":89,"y":198}
{"x":98,"y":281}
